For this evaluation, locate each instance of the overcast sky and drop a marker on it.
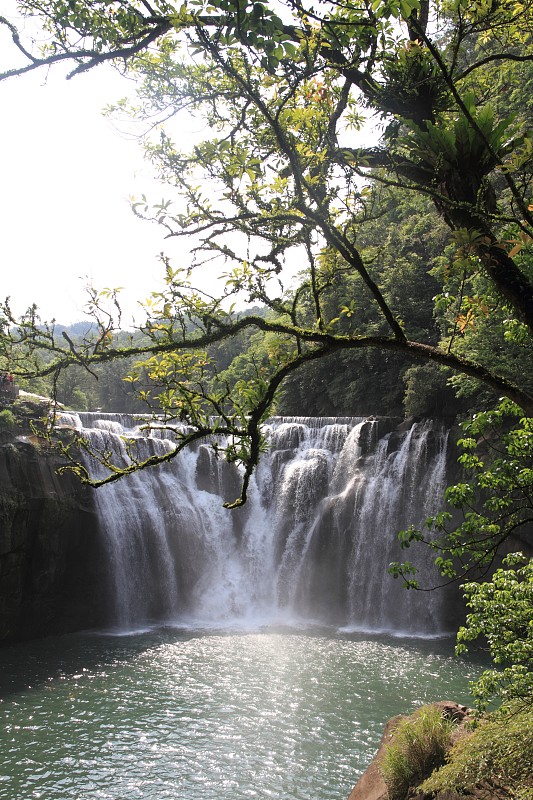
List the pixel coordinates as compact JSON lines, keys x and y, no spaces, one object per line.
{"x":66,"y":176}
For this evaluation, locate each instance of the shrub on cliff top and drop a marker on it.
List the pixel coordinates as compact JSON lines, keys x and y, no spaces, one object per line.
{"x":7,"y":420}
{"x":497,"y":754}
{"x":419,"y":746}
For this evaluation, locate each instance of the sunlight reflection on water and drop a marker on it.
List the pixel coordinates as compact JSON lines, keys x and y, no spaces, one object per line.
{"x":198,"y":716}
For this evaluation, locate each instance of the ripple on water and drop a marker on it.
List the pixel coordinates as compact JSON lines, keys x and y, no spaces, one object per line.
{"x":169,"y":714}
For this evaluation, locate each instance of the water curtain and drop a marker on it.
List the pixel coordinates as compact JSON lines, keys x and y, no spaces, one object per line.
{"x":311,"y":546}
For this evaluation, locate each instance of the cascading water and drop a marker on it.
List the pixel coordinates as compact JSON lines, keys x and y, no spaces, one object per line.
{"x":312,"y":544}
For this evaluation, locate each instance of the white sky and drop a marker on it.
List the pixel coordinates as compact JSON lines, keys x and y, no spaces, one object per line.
{"x":66,"y":175}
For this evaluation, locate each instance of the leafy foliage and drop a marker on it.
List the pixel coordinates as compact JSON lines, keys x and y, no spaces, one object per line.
{"x":495,"y":757}
{"x":494,"y":501}
{"x":419,"y":745}
{"x":501,"y":612}
{"x":7,"y":420}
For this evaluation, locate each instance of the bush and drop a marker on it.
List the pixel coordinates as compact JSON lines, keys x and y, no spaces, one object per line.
{"x":419,"y":746}
{"x":7,"y":420}
{"x":501,"y":613}
{"x":498,"y":753}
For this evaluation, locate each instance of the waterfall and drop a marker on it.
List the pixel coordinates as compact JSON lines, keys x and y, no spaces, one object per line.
{"x":312,"y":544}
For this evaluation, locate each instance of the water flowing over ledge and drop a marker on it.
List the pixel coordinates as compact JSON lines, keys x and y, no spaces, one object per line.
{"x":311,"y":546}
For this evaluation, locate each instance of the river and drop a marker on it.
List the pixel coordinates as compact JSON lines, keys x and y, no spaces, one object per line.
{"x":290,"y":714}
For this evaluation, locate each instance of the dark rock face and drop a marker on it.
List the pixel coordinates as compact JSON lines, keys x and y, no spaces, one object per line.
{"x":52,"y":568}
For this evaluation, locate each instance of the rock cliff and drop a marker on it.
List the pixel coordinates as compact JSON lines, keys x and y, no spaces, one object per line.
{"x":52,"y":569}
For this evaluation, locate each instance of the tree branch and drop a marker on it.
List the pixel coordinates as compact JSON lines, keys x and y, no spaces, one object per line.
{"x":327,"y":342}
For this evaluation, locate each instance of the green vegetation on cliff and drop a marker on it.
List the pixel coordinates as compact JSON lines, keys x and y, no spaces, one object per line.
{"x":430,"y":755}
{"x":493,"y":758}
{"x":492,"y":754}
{"x":419,"y":746}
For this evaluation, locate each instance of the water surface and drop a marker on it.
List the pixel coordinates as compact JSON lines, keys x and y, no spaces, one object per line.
{"x":193,"y":715}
